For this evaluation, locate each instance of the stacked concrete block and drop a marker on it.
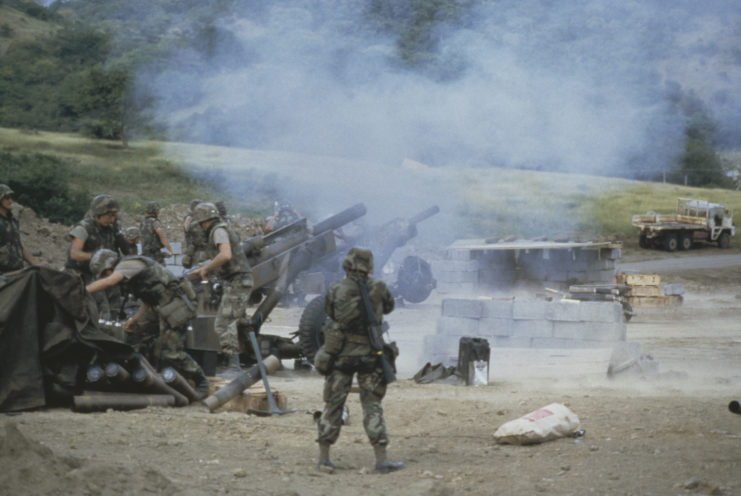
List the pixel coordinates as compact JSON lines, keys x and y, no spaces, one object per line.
{"x":520,"y":323}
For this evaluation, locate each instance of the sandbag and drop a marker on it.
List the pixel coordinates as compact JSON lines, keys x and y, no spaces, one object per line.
{"x":544,"y":424}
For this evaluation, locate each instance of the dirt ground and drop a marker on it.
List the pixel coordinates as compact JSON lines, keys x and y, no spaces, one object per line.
{"x":671,"y":434}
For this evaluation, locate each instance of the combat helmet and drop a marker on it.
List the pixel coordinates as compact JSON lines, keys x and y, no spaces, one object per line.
{"x":102,"y":204}
{"x":102,"y":260}
{"x":358,"y":259}
{"x":194,"y":203}
{"x":205,"y":211}
{"x":132,"y":234}
{"x":5,"y":191}
{"x":152,"y":208}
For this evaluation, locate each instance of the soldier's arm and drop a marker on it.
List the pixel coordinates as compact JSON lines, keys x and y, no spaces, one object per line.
{"x":29,"y":258}
{"x":163,"y":239}
{"x":76,"y":253}
{"x":133,"y":320}
{"x":224,"y":255}
{"x":105,"y":282}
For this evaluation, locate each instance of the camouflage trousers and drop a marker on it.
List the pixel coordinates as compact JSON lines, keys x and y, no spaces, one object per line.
{"x":233,"y":306}
{"x":372,"y":390}
{"x":172,"y":351}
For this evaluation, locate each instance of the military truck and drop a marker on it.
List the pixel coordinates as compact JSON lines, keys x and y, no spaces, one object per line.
{"x":693,"y":221}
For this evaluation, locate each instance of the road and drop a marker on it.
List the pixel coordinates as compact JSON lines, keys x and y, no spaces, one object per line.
{"x":674,"y":264}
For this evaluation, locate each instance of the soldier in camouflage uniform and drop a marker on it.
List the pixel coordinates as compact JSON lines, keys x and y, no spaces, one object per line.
{"x":153,"y":235}
{"x":12,"y":253}
{"x":132,"y":235}
{"x":196,"y":243}
{"x":230,"y":264}
{"x":284,"y":215}
{"x":161,"y":292}
{"x":347,"y":351}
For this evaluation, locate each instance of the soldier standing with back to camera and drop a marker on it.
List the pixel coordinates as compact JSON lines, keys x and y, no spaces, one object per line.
{"x":12,"y":253}
{"x":153,"y":236}
{"x":347,"y":351}
{"x":230,"y":264}
{"x":196,"y":244}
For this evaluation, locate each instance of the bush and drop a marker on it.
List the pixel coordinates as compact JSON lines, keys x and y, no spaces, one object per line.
{"x":40,"y":182}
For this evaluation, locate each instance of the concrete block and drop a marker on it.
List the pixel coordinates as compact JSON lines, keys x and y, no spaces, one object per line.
{"x":439,"y":343}
{"x":529,"y":309}
{"x":454,"y":265}
{"x":510,"y":342}
{"x":568,"y":310}
{"x":500,"y":308}
{"x":454,"y":288}
{"x":459,"y":307}
{"x":458,"y":254}
{"x":457,"y":326}
{"x":600,"y":311}
{"x":563,"y":343}
{"x":590,"y":331}
{"x":457,"y":276}
{"x":495,"y":327}
{"x":532,"y":328}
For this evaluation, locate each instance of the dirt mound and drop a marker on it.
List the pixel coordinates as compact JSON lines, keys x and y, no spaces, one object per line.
{"x":47,"y":241}
{"x":29,"y":467}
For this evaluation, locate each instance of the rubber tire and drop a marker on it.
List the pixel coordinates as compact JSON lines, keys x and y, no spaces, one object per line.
{"x":414,"y":280}
{"x":643,"y":241}
{"x":311,"y":327}
{"x":670,"y":242}
{"x":724,"y":240}
{"x":685,"y":241}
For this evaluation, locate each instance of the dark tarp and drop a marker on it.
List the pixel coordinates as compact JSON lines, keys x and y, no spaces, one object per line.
{"x":48,"y":336}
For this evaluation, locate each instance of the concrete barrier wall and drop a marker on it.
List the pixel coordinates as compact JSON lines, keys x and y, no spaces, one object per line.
{"x":520,"y":323}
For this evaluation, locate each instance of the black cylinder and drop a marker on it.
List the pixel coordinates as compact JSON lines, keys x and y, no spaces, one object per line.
{"x":735,"y":407}
{"x":240,"y":383}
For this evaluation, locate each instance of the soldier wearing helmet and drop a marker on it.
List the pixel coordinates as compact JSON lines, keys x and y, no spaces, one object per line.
{"x":153,"y":235}
{"x":93,"y":233}
{"x":132,"y":235}
{"x":196,"y":244}
{"x":161,"y":293}
{"x":284,"y":214}
{"x":230,"y":264}
{"x":12,"y":253}
{"x":347,"y":351}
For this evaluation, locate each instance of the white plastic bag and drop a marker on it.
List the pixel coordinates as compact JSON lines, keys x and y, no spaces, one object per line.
{"x":550,"y":422}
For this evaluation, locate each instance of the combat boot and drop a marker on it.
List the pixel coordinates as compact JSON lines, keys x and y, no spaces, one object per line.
{"x":383,"y":465}
{"x":324,"y":464}
{"x":202,"y":385}
{"x":233,"y":369}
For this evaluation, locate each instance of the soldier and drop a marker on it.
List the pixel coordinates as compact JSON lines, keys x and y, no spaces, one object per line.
{"x":230,"y":264}
{"x":12,"y":253}
{"x":221,"y":207}
{"x":161,"y":292}
{"x":93,"y":233}
{"x":132,"y":235}
{"x":347,"y":352}
{"x":196,"y":244}
{"x":153,"y":235}
{"x":284,"y":215}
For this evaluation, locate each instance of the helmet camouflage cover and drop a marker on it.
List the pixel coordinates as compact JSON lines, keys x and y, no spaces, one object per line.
{"x":102,"y":204}
{"x":194,"y":202}
{"x":102,"y":260}
{"x":132,"y":234}
{"x":152,"y":207}
{"x":358,"y":259}
{"x":205,"y":211}
{"x":5,"y":191}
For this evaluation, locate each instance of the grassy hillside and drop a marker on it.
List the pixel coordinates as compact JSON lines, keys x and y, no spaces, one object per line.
{"x":483,"y":202}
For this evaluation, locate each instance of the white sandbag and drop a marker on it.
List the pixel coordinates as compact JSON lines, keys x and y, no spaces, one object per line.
{"x":550,"y":422}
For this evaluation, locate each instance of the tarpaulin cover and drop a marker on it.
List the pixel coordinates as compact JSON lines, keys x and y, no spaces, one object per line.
{"x":48,"y":336}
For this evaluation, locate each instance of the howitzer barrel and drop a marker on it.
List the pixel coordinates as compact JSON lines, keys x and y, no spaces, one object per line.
{"x":173,"y":379}
{"x":145,"y":377}
{"x":120,"y":401}
{"x":338,"y":220}
{"x":240,"y":383}
{"x":424,"y":215}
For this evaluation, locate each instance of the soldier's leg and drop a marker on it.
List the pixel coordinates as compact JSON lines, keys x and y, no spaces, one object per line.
{"x":336,"y":388}
{"x":372,"y":390}
{"x":174,"y":354}
{"x":233,"y":305}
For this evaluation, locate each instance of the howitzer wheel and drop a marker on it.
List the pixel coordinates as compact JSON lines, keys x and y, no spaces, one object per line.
{"x":311,"y":327}
{"x":414,"y":281}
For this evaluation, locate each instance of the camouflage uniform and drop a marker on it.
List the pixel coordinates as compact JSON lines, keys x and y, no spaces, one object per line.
{"x":158,"y":288}
{"x":11,"y":249}
{"x":98,"y":237}
{"x":151,"y":243}
{"x":196,"y":245}
{"x":347,"y":341}
{"x":237,"y":277}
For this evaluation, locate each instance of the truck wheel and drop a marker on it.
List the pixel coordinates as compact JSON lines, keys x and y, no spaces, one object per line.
{"x":685,"y":241}
{"x":311,"y":327}
{"x":671,"y":243}
{"x":724,"y":240}
{"x":643,"y":241}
